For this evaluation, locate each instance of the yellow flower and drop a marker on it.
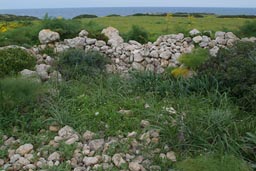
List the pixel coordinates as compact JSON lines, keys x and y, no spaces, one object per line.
{"x":3,"y":29}
{"x":180,"y":72}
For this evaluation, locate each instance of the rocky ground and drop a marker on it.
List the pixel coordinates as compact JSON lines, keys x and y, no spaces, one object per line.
{"x":89,"y":151}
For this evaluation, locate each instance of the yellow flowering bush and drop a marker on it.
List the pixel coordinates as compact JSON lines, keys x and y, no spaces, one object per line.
{"x":180,"y":72}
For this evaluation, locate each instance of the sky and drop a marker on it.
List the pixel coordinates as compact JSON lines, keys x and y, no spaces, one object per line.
{"x":23,"y":4}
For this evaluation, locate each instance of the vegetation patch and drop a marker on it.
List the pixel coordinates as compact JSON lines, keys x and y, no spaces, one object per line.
{"x":14,"y":60}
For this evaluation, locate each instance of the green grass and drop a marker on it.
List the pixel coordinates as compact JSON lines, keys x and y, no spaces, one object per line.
{"x":213,"y":163}
{"x":154,"y":25}
{"x":208,"y":121}
{"x":157,"y":25}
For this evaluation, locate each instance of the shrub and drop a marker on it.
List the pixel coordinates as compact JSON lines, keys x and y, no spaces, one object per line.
{"x":85,"y":16}
{"x":137,"y":33}
{"x":66,"y":28}
{"x":235,"y":70}
{"x":18,"y":92}
{"x":248,"y":29}
{"x":94,"y":30}
{"x":113,"y":15}
{"x":180,"y":72}
{"x":75,"y":63}
{"x":13,"y":60}
{"x":19,"y":104}
{"x":194,"y":59}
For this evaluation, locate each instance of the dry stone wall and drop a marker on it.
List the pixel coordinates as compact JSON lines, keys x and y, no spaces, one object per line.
{"x":132,"y":55}
{"x":156,"y":56}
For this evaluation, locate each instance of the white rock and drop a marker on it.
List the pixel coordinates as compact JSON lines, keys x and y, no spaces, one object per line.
{"x":230,"y":35}
{"x":113,"y":36}
{"x":197,"y":39}
{"x":138,"y":66}
{"x":28,"y":73}
{"x":83,"y":33}
{"x":23,"y":161}
{"x":1,"y":162}
{"x":137,"y":56}
{"x":88,"y":135}
{"x":133,"y":166}
{"x":220,"y":34}
{"x":24,"y":149}
{"x":171,"y":156}
{"x":54,"y":156}
{"x":90,"y":41}
{"x":118,"y":160}
{"x":100,"y":43}
{"x":88,"y":161}
{"x":47,"y":36}
{"x":66,"y":132}
{"x":166,"y":55}
{"x":77,"y":42}
{"x":221,"y":41}
{"x":42,"y":70}
{"x":194,"y":32}
{"x":14,"y":158}
{"x":30,"y":167}
{"x":144,"y":123}
{"x":96,"y":144}
{"x":154,"y":54}
{"x":214,"y":51}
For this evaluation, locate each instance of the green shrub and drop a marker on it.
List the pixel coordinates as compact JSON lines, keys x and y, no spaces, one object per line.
{"x":19,"y":104}
{"x":85,"y":16}
{"x":18,"y":92}
{"x":213,"y":163}
{"x":75,"y":63}
{"x":13,"y":60}
{"x":137,"y":33}
{"x":113,"y":15}
{"x":10,"y":17}
{"x":194,"y":59}
{"x":235,"y":70}
{"x":65,"y":27}
{"x":248,"y":29}
{"x":94,"y":30}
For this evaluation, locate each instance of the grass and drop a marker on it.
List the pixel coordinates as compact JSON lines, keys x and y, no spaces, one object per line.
{"x":205,"y":122}
{"x":154,"y":25}
{"x":157,"y":25}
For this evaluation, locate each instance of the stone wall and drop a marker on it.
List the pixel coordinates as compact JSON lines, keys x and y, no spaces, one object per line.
{"x":156,"y":56}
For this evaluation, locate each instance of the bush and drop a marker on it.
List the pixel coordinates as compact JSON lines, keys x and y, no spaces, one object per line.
{"x":194,"y":59}
{"x":18,"y":92}
{"x":113,"y":15}
{"x":235,"y":70}
{"x":19,"y":104}
{"x":137,"y":33}
{"x":248,"y":29}
{"x":75,"y":63}
{"x":85,"y":16}
{"x":13,"y":60}
{"x":10,"y":17}
{"x":66,"y":28}
{"x":94,"y":30}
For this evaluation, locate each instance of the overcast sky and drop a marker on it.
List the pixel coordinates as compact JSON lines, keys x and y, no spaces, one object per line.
{"x":17,"y":4}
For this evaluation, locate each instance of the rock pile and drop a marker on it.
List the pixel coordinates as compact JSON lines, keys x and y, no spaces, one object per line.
{"x":134,"y":152}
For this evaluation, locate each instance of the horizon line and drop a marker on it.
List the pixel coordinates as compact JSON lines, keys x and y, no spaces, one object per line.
{"x":120,"y":7}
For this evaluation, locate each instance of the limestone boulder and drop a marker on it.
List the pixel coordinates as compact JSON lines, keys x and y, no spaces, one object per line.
{"x":47,"y":36}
